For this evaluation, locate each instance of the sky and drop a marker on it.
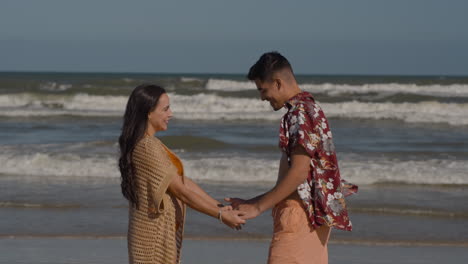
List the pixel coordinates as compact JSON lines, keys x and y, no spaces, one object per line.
{"x":409,"y":37}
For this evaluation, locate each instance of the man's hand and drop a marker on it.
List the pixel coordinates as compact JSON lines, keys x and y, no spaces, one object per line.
{"x":235,"y":202}
{"x":249,"y":208}
{"x":249,"y":211}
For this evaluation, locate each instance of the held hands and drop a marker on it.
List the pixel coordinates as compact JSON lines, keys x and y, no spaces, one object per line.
{"x":235,"y":202}
{"x":249,"y":208}
{"x":231,"y":218}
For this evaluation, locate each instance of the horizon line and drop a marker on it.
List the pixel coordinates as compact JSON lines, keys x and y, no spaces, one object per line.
{"x":233,"y":73}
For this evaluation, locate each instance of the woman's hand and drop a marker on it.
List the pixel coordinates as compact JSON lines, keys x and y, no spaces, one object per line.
{"x":232,"y":218}
{"x":235,"y":202}
{"x":226,"y":208}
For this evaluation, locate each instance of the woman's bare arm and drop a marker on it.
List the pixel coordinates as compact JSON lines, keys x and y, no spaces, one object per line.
{"x":190,"y":196}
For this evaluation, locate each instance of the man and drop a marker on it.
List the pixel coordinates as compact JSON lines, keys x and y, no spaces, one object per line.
{"x":308,"y":198}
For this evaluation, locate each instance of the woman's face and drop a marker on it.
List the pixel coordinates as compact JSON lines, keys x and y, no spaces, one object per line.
{"x":160,"y":116}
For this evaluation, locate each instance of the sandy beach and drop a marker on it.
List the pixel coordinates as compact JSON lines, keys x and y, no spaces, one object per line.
{"x":113,"y":250}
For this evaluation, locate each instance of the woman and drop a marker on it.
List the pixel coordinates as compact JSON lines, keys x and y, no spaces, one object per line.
{"x":153,"y":181}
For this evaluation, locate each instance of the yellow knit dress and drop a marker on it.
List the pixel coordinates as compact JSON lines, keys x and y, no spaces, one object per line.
{"x":156,"y":227}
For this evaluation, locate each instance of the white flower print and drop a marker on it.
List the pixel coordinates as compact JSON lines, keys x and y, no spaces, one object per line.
{"x":301,"y":118}
{"x":329,"y":134}
{"x":304,"y":190}
{"x":293,"y":128}
{"x":324,"y":137}
{"x":293,"y":120}
{"x":315,"y":138}
{"x":330,"y":197}
{"x":335,"y":206}
{"x":329,"y":185}
{"x":338,"y":195}
{"x":328,"y":145}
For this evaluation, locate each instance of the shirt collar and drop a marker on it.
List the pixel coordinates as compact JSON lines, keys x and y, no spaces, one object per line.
{"x":296,"y":98}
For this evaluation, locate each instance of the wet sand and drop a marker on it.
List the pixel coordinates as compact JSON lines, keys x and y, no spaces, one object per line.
{"x":114,"y":250}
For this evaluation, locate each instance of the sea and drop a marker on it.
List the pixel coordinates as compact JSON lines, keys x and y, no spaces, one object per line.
{"x":402,"y":139}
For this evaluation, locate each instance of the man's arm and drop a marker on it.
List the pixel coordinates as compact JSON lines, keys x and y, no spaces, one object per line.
{"x":294,"y":176}
{"x":283,"y":167}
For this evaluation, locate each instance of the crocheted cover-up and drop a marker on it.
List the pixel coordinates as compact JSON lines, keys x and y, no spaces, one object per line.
{"x":156,"y":227}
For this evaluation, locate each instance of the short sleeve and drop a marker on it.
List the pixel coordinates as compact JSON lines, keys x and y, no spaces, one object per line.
{"x":160,"y":172}
{"x":301,"y":131}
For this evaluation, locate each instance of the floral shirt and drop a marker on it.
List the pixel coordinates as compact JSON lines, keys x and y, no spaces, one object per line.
{"x":323,"y":191}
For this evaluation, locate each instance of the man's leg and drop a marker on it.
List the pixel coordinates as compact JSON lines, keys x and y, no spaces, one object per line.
{"x":294,"y":240}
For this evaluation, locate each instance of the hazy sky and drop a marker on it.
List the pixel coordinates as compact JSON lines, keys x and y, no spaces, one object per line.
{"x":203,"y":36}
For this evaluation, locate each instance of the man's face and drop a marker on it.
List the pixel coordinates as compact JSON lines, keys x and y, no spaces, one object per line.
{"x":269,"y":91}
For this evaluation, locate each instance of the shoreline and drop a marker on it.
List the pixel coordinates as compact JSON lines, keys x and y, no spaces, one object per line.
{"x":114,"y":250}
{"x":350,"y":242}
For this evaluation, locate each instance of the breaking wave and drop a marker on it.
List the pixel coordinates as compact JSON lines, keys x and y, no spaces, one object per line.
{"x":215,"y":107}
{"x":451,"y":90}
{"x":240,"y":168}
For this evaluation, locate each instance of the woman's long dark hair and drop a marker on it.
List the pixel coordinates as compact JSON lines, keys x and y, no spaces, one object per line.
{"x":142,"y":101}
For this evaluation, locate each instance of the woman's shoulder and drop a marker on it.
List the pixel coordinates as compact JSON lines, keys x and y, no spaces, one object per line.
{"x":149,"y":144}
{"x":149,"y":140}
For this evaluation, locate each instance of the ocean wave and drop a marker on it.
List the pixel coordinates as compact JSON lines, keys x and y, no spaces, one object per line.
{"x":54,"y":87}
{"x":382,"y":209}
{"x":214,"y":107}
{"x":229,"y":85}
{"x":65,"y":165}
{"x":422,"y":112}
{"x":9,"y":204}
{"x":27,"y":104}
{"x":241,"y":168}
{"x":190,"y":79}
{"x":245,"y":169}
{"x":331,"y":89}
{"x":452,"y":90}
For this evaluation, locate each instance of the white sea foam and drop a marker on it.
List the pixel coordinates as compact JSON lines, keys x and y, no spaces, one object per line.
{"x":241,"y":168}
{"x":422,"y":112}
{"x":452,"y":90}
{"x":26,"y":104}
{"x":66,"y":165}
{"x":245,"y":169}
{"x":54,"y":87}
{"x":229,"y":85}
{"x":190,"y":79}
{"x":128,"y":80}
{"x":434,"y":171}
{"x":214,"y":107}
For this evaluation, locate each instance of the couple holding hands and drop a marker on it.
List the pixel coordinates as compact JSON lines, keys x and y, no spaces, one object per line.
{"x":307,"y":199}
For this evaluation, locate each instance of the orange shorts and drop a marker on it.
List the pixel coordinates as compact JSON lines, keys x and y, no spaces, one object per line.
{"x":294,"y":238}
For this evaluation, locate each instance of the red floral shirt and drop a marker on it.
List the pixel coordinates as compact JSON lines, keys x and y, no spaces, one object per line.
{"x":323,"y":192}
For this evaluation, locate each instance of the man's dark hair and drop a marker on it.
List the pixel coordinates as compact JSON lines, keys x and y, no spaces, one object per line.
{"x":268,"y":64}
